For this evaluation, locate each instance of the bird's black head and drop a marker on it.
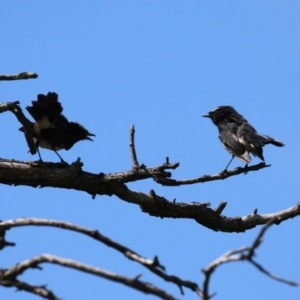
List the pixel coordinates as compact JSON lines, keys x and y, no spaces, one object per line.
{"x":225,"y":113}
{"x":80,"y":133}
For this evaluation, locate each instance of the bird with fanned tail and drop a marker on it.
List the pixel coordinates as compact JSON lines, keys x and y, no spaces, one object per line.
{"x":51,"y":129}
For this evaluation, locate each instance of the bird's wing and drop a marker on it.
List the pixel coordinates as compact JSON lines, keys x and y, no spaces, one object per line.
{"x":228,"y":136}
{"x":231,"y":142}
{"x":61,"y":123}
{"x":234,"y":147}
{"x":248,"y":134}
{"x":53,"y":136}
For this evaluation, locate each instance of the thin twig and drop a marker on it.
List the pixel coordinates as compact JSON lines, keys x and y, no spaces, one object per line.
{"x":245,"y":253}
{"x":275,"y":277}
{"x":205,"y":178}
{"x":132,"y":148}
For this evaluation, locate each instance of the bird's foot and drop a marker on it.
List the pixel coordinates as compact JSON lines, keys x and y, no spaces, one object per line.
{"x":246,"y":169}
{"x":224,"y":172}
{"x":63,"y":162}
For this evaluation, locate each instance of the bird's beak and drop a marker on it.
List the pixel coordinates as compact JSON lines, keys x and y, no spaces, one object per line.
{"x":22,"y":129}
{"x":88,"y":136}
{"x":206,"y":116}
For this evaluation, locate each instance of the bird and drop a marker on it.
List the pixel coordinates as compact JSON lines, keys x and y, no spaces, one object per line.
{"x":51,"y":129}
{"x":239,"y":137}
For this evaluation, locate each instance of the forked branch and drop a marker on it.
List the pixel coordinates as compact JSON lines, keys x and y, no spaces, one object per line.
{"x":242,"y":254}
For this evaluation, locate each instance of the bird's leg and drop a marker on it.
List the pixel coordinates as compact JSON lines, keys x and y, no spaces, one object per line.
{"x":225,"y":170}
{"x":38,"y":151}
{"x":61,"y":160}
{"x":229,"y":163}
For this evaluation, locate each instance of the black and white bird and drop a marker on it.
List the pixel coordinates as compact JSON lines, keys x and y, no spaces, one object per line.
{"x":51,"y":129}
{"x":238,"y":137}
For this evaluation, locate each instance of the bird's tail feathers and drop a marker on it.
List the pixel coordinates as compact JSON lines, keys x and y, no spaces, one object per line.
{"x":269,"y":140}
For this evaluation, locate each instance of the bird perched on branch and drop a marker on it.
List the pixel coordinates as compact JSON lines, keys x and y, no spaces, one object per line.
{"x":51,"y":129}
{"x":238,"y":137}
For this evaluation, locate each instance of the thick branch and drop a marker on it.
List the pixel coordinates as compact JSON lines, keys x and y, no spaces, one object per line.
{"x":73,"y":177}
{"x":139,"y":172}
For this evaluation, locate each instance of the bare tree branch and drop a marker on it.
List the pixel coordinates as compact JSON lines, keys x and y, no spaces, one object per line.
{"x":153,"y":266}
{"x":9,"y":276}
{"x":73,"y":177}
{"x":38,"y":174}
{"x":23,"y":286}
{"x":159,"y":173}
{"x":23,"y":75}
{"x":3,"y":242}
{"x":135,"y":163}
{"x":257,"y":242}
{"x":134,"y":282}
{"x":17,"y":111}
{"x":205,"y":178}
{"x":245,"y":253}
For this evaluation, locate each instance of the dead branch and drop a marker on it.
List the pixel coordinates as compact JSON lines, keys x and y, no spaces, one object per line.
{"x":135,"y":163}
{"x":153,"y":266}
{"x":35,"y":262}
{"x":17,"y":111}
{"x":8,"y":277}
{"x":39,"y":174}
{"x":72,"y":176}
{"x":23,"y":75}
{"x":41,"y":291}
{"x":245,"y":253}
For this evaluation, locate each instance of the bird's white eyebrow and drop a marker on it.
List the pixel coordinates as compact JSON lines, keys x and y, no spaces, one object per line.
{"x":215,"y":108}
